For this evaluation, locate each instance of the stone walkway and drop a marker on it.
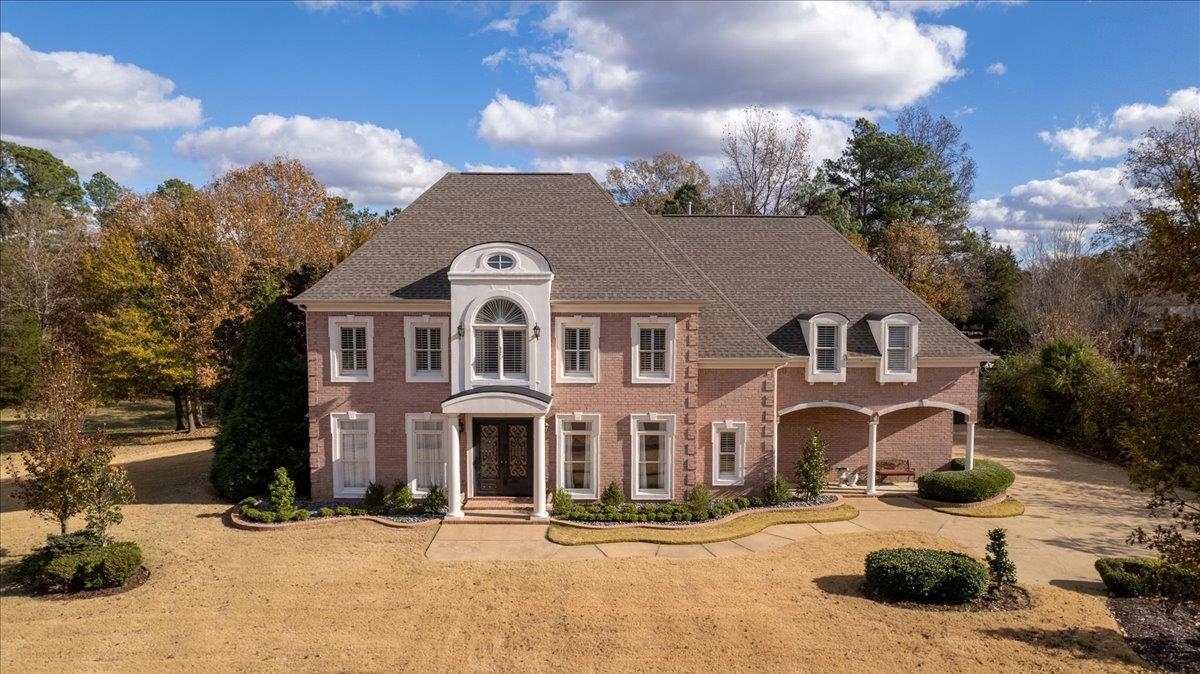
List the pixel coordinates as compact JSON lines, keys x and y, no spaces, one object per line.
{"x":1076,"y":509}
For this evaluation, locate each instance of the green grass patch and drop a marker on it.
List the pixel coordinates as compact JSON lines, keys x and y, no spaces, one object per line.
{"x":738,"y":526}
{"x":1009,"y":507}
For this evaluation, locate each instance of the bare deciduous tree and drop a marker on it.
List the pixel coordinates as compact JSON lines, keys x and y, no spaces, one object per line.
{"x":650,"y":183}
{"x":943,"y":138}
{"x":766,"y":161}
{"x":43,"y":247}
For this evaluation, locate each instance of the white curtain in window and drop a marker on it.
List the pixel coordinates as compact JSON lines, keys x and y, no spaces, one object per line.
{"x":356,"y":463}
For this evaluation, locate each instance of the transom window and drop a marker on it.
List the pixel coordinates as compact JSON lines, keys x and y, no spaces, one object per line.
{"x":500,"y":341}
{"x":899,"y":348}
{"x":501,"y":261}
{"x":426,"y":461}
{"x":652,"y":442}
{"x":827,"y":348}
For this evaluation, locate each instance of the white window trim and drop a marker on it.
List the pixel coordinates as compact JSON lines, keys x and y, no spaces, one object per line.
{"x":592,"y":323}
{"x":336,"y":323}
{"x":739,"y":457}
{"x":811,"y":374}
{"x":411,"y":456}
{"x":883,"y":374}
{"x":531,"y":353}
{"x":593,"y":439}
{"x":635,"y":490}
{"x":411,"y":323}
{"x":635,"y":326}
{"x":336,"y":454}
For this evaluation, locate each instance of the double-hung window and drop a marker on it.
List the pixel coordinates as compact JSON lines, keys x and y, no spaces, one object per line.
{"x":353,"y":453}
{"x":578,"y":454}
{"x":350,"y":348}
{"x":426,"y":458}
{"x":653,"y":350}
{"x":729,"y":451}
{"x":578,"y":354}
{"x":899,"y":351}
{"x":427,"y":348}
{"x":827,"y":348}
{"x":653,"y":444}
{"x":500,"y":341}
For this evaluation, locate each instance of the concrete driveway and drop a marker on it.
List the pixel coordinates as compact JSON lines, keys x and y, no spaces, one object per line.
{"x":1076,"y":509}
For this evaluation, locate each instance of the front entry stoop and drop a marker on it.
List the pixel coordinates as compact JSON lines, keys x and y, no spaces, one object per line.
{"x":497,"y":510}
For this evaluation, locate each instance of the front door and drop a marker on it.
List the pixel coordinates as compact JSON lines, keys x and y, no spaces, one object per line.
{"x":503,"y":457}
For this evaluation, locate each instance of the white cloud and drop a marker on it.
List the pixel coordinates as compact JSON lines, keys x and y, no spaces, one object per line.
{"x":119,"y":165}
{"x":964,"y":111}
{"x":1040,"y":205}
{"x":997,"y":68}
{"x":52,"y":96}
{"x":376,"y":7}
{"x":490,"y":168}
{"x":928,"y":6}
{"x":505,"y":25}
{"x":495,"y":58}
{"x":616,"y":87}
{"x":593,"y":165}
{"x":364,"y":163}
{"x":1111,"y":137}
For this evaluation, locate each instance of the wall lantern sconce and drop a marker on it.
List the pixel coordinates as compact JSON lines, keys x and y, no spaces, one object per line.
{"x":537,"y":331}
{"x":460,"y":330}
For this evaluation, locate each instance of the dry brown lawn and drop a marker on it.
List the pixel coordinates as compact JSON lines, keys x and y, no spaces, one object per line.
{"x":1009,"y":507}
{"x":737,"y":526}
{"x":362,"y":597}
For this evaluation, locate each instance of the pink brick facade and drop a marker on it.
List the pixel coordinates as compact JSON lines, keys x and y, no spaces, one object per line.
{"x":697,"y":397}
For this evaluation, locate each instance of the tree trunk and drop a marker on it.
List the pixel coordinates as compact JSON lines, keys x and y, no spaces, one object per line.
{"x":62,"y":527}
{"x":188,"y":402}
{"x":195,"y":412}
{"x":198,"y":411}
{"x":177,"y":396}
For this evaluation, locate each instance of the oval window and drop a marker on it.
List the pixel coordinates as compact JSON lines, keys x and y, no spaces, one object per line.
{"x":501,"y":261}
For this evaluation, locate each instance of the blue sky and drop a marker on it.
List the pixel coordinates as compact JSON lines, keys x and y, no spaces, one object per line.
{"x":382,"y":98}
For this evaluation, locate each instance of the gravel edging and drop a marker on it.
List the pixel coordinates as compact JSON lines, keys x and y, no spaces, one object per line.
{"x":238,"y":522}
{"x":665,"y":526}
{"x":998,"y":498}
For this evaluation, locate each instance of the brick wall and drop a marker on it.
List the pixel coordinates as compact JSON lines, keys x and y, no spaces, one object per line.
{"x":738,"y":395}
{"x":956,"y":385}
{"x":921,"y":435}
{"x":388,"y":397}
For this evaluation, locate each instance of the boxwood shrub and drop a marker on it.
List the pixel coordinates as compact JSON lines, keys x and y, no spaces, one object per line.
{"x":924,"y":575}
{"x":956,"y":485}
{"x":80,"y":562}
{"x":1147,"y":577}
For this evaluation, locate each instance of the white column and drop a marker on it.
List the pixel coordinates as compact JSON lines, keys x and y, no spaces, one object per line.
{"x":539,"y":468}
{"x":454,"y":479}
{"x":872,"y":427}
{"x":970,"y":445}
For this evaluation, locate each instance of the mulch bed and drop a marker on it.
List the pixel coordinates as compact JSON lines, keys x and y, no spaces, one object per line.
{"x":1013,"y":598}
{"x":821,"y":501}
{"x":1171,"y":641}
{"x":141,"y":576}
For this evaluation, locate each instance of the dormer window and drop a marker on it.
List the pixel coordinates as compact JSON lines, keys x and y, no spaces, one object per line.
{"x":501,"y":261}
{"x":825,"y":335}
{"x":896,"y":336}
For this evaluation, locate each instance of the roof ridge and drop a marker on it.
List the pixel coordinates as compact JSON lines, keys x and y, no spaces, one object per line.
{"x":716,"y":289}
{"x":649,"y":242}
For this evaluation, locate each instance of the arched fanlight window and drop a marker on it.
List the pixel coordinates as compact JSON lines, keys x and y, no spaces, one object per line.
{"x":499,"y":331}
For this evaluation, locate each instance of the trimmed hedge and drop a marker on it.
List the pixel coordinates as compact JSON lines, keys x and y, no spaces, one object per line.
{"x":956,"y":485}
{"x":1147,"y":577}
{"x":924,"y":575}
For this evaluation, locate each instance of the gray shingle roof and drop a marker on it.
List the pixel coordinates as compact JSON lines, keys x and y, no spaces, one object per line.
{"x":774,"y":269}
{"x":752,"y":276}
{"x":595,"y":250}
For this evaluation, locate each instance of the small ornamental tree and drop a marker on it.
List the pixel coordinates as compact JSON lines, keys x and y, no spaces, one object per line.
{"x":1003,"y":572}
{"x":66,"y":469}
{"x":283,"y":494}
{"x":812,"y":470}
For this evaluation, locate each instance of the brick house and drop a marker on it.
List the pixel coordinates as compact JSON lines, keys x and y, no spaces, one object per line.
{"x":510,"y":332}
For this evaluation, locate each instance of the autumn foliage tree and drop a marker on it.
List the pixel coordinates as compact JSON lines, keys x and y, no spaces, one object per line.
{"x":67,"y":469}
{"x":650,"y":183}
{"x":914,"y":254}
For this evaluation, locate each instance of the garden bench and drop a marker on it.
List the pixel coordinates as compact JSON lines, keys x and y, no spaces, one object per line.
{"x":886,"y":468}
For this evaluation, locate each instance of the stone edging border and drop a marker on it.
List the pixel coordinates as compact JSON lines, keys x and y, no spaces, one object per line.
{"x":947,"y":504}
{"x":237,"y":522}
{"x":696,"y":525}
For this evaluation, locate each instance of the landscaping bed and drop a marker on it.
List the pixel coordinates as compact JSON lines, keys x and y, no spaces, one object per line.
{"x":392,"y":509}
{"x":1169,"y":639}
{"x":81,"y":564}
{"x":1000,"y":506}
{"x":822,"y":501}
{"x":736,"y":526}
{"x":988,"y":480}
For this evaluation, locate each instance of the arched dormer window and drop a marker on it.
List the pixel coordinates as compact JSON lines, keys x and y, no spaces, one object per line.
{"x":501,"y":261}
{"x":500,"y":331}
